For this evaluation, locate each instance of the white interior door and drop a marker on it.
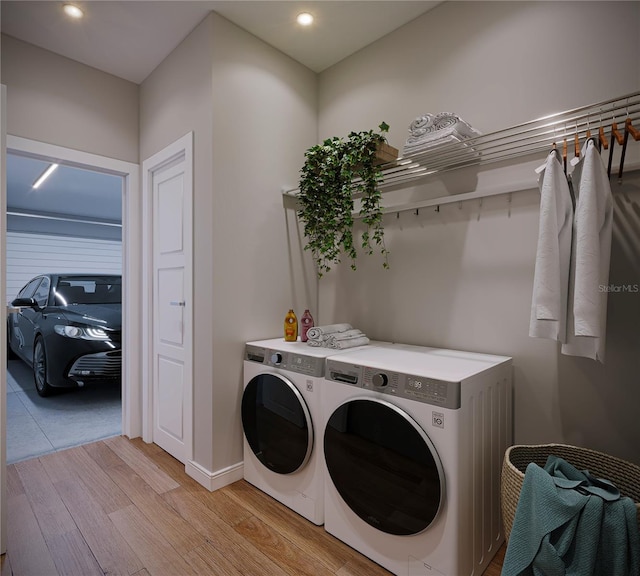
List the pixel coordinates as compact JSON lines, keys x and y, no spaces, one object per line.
{"x":170,"y":403}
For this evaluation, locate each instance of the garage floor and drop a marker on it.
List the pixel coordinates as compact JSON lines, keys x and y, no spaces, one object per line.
{"x":37,"y":426}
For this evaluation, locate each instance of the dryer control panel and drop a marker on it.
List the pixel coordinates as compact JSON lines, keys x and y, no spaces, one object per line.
{"x":291,"y":361}
{"x":419,"y":388}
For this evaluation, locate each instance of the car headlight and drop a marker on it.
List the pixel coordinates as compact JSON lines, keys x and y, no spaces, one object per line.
{"x":83,"y":332}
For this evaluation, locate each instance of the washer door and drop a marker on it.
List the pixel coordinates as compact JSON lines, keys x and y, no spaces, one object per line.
{"x":384,"y":466}
{"x":277,"y":423}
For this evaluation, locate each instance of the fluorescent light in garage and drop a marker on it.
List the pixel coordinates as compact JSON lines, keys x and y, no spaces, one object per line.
{"x":45,"y":175}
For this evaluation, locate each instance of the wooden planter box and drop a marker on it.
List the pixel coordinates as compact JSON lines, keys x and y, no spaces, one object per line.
{"x":385,"y":153}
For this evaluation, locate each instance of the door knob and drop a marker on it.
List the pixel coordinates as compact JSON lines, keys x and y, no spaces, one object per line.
{"x":174,"y":303}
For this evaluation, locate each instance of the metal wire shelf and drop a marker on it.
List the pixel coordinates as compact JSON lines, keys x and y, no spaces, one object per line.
{"x":567,"y":130}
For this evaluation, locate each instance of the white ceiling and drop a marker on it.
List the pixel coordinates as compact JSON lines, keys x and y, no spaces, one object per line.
{"x":129,"y":38}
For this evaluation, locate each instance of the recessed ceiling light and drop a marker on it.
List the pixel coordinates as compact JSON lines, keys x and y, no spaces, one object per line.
{"x":73,"y":11}
{"x":305,"y":19}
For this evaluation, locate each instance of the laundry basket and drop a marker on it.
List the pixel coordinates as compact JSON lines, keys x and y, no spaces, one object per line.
{"x":623,"y":474}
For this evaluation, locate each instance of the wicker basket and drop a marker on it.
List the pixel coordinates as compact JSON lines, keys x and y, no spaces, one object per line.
{"x":624,"y":475}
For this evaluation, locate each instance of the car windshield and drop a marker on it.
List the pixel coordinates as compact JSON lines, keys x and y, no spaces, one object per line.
{"x":88,"y":290}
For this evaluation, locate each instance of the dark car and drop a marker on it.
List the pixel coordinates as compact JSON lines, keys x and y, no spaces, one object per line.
{"x":68,"y":327}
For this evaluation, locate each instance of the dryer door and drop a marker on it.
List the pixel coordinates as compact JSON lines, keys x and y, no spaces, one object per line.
{"x":277,"y":423}
{"x":384,"y":466}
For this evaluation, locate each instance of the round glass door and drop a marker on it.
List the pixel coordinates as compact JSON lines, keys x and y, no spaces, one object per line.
{"x":277,"y":423}
{"x":384,"y":466}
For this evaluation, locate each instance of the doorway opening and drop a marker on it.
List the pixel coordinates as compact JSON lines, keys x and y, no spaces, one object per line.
{"x":70,"y":228}
{"x":70,"y":221}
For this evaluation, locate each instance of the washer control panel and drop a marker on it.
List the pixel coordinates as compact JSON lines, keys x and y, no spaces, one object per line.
{"x":419,"y":388}
{"x":291,"y":361}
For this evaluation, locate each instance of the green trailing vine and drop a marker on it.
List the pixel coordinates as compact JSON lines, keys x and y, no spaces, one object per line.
{"x":333,"y":173}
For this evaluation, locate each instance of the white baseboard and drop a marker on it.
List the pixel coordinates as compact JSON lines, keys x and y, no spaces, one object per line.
{"x":215,"y":480}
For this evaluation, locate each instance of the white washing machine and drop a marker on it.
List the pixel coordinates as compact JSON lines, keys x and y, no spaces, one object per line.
{"x":413,"y":444}
{"x":281,"y":415}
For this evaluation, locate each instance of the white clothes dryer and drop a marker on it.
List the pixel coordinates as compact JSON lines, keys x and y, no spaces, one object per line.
{"x":281,"y":415}
{"x":413,"y":443}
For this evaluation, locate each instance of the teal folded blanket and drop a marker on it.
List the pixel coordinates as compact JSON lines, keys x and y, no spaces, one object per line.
{"x":569,"y":523}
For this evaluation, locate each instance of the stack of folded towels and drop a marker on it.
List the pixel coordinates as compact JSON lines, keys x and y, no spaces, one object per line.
{"x":336,"y":336}
{"x":432,"y":130}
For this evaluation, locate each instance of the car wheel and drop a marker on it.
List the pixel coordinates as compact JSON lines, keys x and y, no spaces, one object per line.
{"x":40,"y":368}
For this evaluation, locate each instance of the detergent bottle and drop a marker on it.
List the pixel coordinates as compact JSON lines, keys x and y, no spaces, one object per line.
{"x":290,"y":326}
{"x":307,"y":322}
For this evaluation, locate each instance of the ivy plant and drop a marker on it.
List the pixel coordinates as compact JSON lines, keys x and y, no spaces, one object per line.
{"x":334,"y":172}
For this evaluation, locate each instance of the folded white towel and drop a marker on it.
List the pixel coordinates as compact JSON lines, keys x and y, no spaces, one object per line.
{"x":348,"y":338}
{"x":330,"y":339}
{"x":317,"y":331}
{"x":349,"y":343}
{"x":431,"y":130}
{"x":344,"y":335}
{"x":433,"y":143}
{"x":441,"y":149}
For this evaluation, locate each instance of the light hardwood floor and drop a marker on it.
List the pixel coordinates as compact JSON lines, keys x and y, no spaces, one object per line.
{"x":121,"y":506}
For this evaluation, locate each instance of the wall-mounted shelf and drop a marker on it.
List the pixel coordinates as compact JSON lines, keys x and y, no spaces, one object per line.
{"x":568,"y":130}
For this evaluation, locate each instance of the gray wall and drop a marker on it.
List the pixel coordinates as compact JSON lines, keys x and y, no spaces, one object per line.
{"x":59,"y":101}
{"x":253,"y":113}
{"x":264,"y":117}
{"x":462,"y":277}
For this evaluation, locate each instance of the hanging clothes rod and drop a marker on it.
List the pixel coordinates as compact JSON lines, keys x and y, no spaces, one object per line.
{"x":617,"y":117}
